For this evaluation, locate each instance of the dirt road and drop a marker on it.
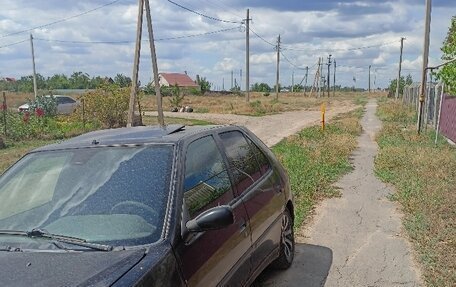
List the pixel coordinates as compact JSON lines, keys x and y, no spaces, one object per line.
{"x":273,"y":128}
{"x":355,"y":240}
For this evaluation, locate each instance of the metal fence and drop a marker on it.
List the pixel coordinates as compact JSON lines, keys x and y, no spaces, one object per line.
{"x":434,"y":96}
{"x":439,"y":109}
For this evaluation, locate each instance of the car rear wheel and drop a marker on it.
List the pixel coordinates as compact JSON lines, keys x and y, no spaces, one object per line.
{"x":287,"y":243}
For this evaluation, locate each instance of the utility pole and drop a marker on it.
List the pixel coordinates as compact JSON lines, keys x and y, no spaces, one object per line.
{"x":247,"y":56}
{"x":223,"y":84}
{"x":369,"y":78}
{"x":400,"y":67}
{"x":153,"y":53}
{"x":316,"y":79}
{"x":305,"y":85}
{"x":232,"y":80}
{"x":134,"y":84}
{"x":329,"y":73}
{"x":427,"y":31}
{"x":278,"y":68}
{"x":240,"y":79}
{"x":334,"y":87}
{"x":34,"y":70}
{"x":292,"y":81}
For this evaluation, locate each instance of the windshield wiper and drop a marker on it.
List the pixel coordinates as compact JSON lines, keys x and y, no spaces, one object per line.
{"x":40,"y":233}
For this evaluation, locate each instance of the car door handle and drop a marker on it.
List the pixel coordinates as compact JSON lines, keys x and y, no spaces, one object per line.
{"x":242,"y":226}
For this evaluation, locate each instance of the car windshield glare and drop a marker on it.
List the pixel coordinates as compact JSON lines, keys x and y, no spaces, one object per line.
{"x":113,"y":195}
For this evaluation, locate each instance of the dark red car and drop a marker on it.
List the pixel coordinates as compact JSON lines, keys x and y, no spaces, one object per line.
{"x":146,"y":206}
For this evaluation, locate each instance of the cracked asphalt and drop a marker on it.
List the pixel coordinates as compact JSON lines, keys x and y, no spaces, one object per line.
{"x":357,"y":239}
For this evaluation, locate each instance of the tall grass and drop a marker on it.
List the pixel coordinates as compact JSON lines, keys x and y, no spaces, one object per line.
{"x":424,"y":176}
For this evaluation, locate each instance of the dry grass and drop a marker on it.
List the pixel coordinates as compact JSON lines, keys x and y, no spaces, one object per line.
{"x":259,"y":105}
{"x":424,"y":175}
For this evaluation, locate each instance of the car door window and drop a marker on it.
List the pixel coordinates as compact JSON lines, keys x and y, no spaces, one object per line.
{"x":263,"y":161}
{"x":242,"y":160}
{"x":207,"y":182}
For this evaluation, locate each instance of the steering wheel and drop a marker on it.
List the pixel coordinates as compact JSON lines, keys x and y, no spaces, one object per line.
{"x":134,"y":207}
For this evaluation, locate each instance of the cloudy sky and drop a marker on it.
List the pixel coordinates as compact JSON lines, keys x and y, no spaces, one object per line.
{"x":356,"y":33}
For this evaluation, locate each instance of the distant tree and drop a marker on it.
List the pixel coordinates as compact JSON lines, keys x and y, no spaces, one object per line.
{"x":402,"y":83}
{"x":58,"y":81}
{"x":79,"y":80}
{"x":204,"y":84}
{"x":297,"y":88}
{"x":447,"y":74}
{"x":97,"y":82}
{"x":260,"y":87}
{"x":122,"y":80}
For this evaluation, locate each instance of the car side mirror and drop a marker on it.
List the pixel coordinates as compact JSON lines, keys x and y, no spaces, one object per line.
{"x":215,"y":218}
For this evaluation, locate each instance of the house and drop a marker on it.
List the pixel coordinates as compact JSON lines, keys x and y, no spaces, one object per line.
{"x":181,"y":80}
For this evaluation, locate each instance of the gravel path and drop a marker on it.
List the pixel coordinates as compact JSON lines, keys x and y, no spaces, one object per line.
{"x":273,"y":128}
{"x":355,"y":240}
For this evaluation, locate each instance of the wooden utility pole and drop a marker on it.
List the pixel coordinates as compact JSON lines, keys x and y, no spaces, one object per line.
{"x":34,"y":70}
{"x":278,"y":68}
{"x":370,"y":78}
{"x":292,"y":81}
{"x":247,"y":56}
{"x":305,"y":84}
{"x":427,"y":31}
{"x":153,"y":53}
{"x":134,"y":84}
{"x":400,"y":67}
{"x":329,"y":73}
{"x":316,"y":79}
{"x":334,"y":86}
{"x":232,"y":80}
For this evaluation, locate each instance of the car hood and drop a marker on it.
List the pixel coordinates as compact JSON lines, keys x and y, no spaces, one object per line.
{"x":66,"y":268}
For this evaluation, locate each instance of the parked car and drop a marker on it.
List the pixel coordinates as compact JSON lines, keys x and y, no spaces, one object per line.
{"x":146,"y":206}
{"x":65,"y":105}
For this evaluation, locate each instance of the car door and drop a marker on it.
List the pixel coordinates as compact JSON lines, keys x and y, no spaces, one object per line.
{"x":258,"y":185}
{"x":217,"y":257}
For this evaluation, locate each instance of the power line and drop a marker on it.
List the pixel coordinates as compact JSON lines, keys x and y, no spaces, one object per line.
{"x":12,"y":44}
{"x":60,"y":20}
{"x":264,"y":40}
{"x":346,"y":49}
{"x":203,"y":15}
{"x":129,"y":42}
{"x":291,"y":63}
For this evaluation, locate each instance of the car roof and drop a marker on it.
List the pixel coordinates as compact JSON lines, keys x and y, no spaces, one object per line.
{"x":131,"y":136}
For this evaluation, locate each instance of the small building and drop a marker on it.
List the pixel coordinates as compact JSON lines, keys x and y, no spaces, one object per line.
{"x":181,"y":80}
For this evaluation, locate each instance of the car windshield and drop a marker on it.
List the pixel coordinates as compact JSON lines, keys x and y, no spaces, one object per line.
{"x":111,"y":195}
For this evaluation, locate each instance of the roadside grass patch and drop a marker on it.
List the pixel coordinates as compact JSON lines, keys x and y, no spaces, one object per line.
{"x":424,"y":176}
{"x":315,"y":160}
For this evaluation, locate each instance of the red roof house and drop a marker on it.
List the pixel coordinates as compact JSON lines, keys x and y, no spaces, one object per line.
{"x":181,"y":80}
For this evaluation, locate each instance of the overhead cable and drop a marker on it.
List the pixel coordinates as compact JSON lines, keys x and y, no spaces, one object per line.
{"x":203,"y":15}
{"x":59,"y":21}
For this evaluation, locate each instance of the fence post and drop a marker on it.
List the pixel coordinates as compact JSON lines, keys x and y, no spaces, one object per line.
{"x":4,"y":109}
{"x":442,"y":98}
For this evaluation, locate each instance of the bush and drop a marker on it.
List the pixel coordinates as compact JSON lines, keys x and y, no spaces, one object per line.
{"x":107,"y":105}
{"x":176,"y":96}
{"x":45,"y":105}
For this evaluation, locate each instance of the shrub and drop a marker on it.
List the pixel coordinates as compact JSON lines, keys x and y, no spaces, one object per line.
{"x":107,"y":105}
{"x":42,"y":105}
{"x":176,"y":96}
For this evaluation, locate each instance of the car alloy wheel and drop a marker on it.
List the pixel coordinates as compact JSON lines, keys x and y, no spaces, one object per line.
{"x":287,"y":243}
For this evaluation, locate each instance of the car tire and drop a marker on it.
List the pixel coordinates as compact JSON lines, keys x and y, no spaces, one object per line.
{"x":287,"y":243}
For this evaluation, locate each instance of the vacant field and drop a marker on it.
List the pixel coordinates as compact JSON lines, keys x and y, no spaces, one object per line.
{"x":259,"y":105}
{"x":424,"y":176}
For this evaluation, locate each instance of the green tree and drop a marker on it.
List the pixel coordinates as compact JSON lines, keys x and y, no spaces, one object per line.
{"x":79,"y":80}
{"x":447,"y":74}
{"x":260,"y":87}
{"x":402,"y":83}
{"x":204,"y":84}
{"x":122,"y":80}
